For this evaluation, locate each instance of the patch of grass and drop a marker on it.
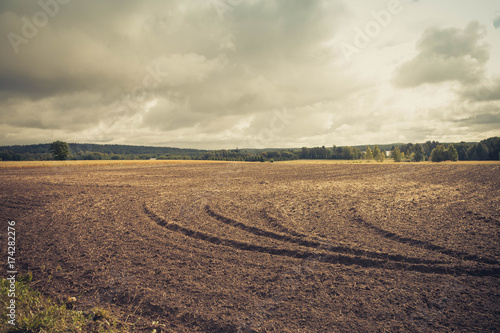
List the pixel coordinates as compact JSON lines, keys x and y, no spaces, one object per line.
{"x":37,"y":313}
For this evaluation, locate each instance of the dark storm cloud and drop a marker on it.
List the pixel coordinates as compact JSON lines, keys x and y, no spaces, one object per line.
{"x":446,"y":55}
{"x":106,"y":48}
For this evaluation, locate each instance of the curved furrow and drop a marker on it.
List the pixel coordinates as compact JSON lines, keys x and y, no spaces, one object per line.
{"x":319,"y":245}
{"x":424,"y":244}
{"x":276,"y":224}
{"x":321,"y":257}
{"x":279,"y":226}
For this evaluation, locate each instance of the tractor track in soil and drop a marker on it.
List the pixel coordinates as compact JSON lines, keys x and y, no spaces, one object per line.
{"x":266,"y":248}
{"x":386,"y":261}
{"x":423,"y":244}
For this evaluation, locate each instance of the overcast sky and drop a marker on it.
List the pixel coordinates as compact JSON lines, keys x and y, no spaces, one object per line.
{"x":249,"y":73}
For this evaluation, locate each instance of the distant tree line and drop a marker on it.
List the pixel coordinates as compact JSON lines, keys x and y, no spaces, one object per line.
{"x":488,"y":149}
{"x":249,"y":156}
{"x":340,"y":153}
{"x":42,"y":152}
{"x":485,"y":150}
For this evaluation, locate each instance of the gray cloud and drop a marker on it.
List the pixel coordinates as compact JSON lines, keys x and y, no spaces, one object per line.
{"x":176,"y":73}
{"x":483,"y":118}
{"x":484,"y":90}
{"x":106,"y":48}
{"x":446,"y":55}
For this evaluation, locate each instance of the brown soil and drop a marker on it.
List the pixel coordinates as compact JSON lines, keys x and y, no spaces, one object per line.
{"x":240,"y":247}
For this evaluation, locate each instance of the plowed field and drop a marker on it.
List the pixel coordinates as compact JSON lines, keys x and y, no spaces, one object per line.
{"x":242,"y":247}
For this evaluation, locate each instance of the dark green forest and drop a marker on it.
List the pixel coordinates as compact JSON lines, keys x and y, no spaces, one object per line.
{"x":39,"y":152}
{"x":488,"y":149}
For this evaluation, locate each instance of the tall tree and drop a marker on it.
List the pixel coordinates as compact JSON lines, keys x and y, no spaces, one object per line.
{"x":305,"y":153}
{"x":347,"y":153}
{"x":452,"y":153}
{"x":408,"y":149}
{"x":493,"y":145}
{"x":461,"y":148}
{"x":419,"y":153}
{"x":357,"y":153}
{"x":60,"y":150}
{"x":369,"y":154}
{"x":482,"y":152}
{"x":471,"y":153}
{"x":377,"y":154}
{"x":439,"y":154}
{"x":396,"y":155}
